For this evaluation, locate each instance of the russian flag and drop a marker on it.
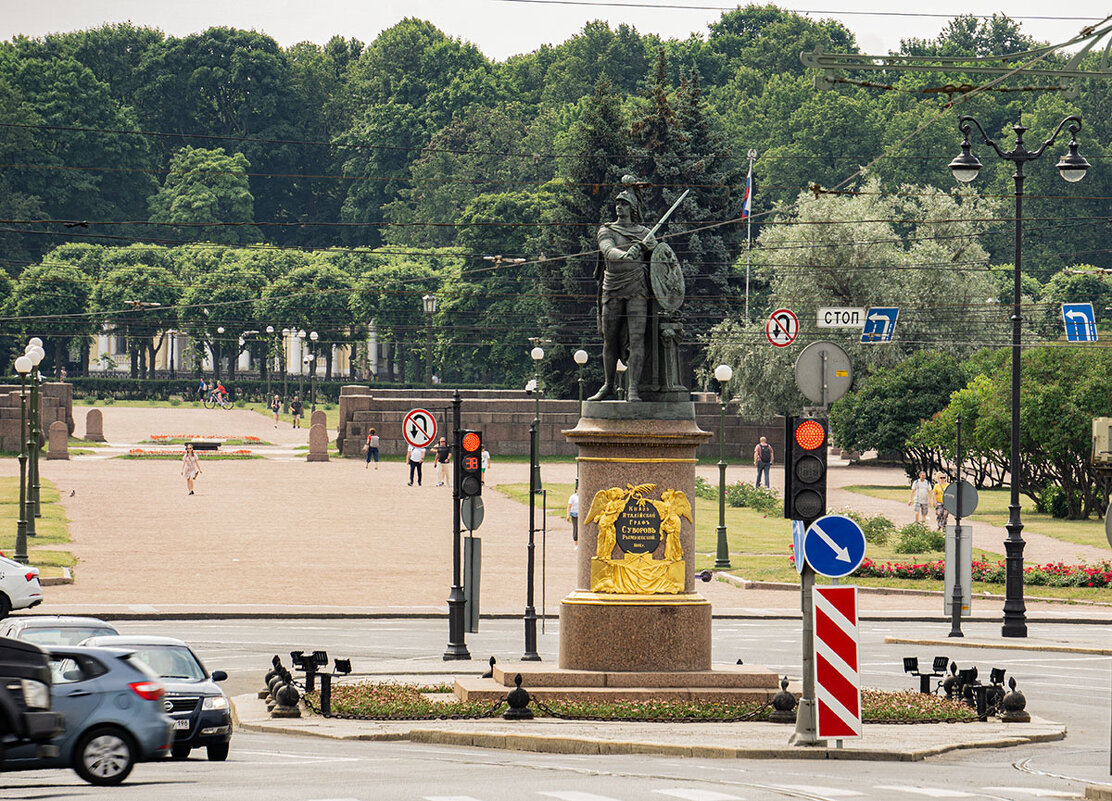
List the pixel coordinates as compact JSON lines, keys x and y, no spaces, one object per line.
{"x":747,"y":207}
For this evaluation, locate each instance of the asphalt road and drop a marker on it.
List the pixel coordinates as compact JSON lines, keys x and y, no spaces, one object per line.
{"x":1068,"y":687}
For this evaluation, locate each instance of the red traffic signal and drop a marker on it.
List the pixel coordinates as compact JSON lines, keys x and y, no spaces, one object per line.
{"x":471,"y":464}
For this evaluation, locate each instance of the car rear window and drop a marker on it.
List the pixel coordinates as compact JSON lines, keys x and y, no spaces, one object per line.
{"x":62,"y":636}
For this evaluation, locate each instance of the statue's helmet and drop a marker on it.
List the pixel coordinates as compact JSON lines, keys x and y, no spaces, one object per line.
{"x":630,"y":197}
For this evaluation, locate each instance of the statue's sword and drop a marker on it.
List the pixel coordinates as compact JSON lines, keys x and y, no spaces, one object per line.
{"x":667,"y":214}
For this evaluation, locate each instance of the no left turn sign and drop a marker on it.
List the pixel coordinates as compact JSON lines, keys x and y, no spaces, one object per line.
{"x":782,"y":327}
{"x":419,"y":428}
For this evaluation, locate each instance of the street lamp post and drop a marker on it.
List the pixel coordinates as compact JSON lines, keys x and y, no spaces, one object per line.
{"x":301,"y":373}
{"x":722,"y":373}
{"x":313,"y":337}
{"x":35,"y":353}
{"x":580,"y":357}
{"x":268,"y":358}
{"x":531,"y":655}
{"x":285,"y":373}
{"x":430,"y":303}
{"x":22,"y":366}
{"x":621,"y":368}
{"x":965,"y":167}
{"x":172,"y":334}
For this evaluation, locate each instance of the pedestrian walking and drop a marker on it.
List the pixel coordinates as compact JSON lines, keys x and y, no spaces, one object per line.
{"x":370,"y":447}
{"x":762,"y":458}
{"x":921,"y":495}
{"x":415,"y":456}
{"x":573,"y":514}
{"x":276,"y":407}
{"x":443,"y":459}
{"x":484,"y":463}
{"x":941,"y":516}
{"x":296,"y":411}
{"x":190,"y":467}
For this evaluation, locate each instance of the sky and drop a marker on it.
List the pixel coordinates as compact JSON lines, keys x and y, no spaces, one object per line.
{"x":501,"y":28}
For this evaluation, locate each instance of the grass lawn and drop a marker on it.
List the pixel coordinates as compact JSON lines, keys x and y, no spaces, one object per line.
{"x":992,"y":508}
{"x":51,"y":530}
{"x":759,"y":545}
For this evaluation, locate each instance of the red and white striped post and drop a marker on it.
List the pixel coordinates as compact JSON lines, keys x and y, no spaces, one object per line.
{"x":837,"y":680}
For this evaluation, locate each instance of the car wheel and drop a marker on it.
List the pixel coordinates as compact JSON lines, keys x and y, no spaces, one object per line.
{"x":103,"y":756}
{"x":218,"y":752}
{"x":180,"y":751}
{"x":5,"y":605}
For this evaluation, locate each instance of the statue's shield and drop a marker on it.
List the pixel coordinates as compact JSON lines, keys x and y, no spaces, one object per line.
{"x":666,"y":278}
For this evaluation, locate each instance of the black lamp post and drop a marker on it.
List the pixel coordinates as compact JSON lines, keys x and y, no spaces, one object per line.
{"x":965,"y":167}
{"x":722,"y":374}
{"x":35,"y":353}
{"x":531,"y":655}
{"x":429,"y":303}
{"x":285,"y":372}
{"x":301,"y":373}
{"x":23,"y":367}
{"x":313,"y":337}
{"x":268,"y":358}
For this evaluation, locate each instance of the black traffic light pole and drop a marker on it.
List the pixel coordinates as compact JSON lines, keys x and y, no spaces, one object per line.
{"x":457,"y":647}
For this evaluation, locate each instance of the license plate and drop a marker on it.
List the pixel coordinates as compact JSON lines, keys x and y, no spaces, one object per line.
{"x":181,"y":724}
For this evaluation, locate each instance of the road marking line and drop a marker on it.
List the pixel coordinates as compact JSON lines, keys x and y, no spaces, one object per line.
{"x":1035,"y":791}
{"x":450,"y":798}
{"x":832,"y":792}
{"x":575,"y":795}
{"x":691,"y":794}
{"x":930,"y":792}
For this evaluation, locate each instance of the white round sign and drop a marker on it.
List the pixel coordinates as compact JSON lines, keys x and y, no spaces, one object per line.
{"x":782,"y":327}
{"x":419,"y":428}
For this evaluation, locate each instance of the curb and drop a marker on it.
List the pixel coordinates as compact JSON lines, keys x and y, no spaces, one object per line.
{"x":963,"y":643}
{"x":1099,"y":792}
{"x":65,"y":578}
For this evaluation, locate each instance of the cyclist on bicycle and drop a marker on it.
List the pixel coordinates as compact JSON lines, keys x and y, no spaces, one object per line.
{"x":220,"y":392}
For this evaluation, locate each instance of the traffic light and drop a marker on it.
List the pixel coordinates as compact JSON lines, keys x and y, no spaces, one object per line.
{"x":805,"y":470}
{"x":471,"y":464}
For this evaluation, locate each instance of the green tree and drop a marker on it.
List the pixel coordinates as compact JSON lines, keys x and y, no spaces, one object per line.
{"x":314,"y":297}
{"x":885,"y":411}
{"x":207,"y":193}
{"x":138,"y":301}
{"x":52,"y":301}
{"x":228,"y":298}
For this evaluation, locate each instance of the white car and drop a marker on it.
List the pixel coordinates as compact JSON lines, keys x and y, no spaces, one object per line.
{"x":19,"y":586}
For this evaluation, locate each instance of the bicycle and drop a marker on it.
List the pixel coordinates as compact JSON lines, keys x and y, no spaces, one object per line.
{"x":217,"y":398}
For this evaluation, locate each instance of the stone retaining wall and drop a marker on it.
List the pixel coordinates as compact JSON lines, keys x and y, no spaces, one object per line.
{"x":55,"y":403}
{"x":504,"y":417}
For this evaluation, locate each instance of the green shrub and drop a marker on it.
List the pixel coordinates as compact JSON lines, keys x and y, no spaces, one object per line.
{"x":918,"y":538}
{"x":175,"y":401}
{"x":704,"y":489}
{"x":90,"y":401}
{"x":877,"y":528}
{"x":1054,"y":502}
{"x":763,"y":499}
{"x":108,"y":400}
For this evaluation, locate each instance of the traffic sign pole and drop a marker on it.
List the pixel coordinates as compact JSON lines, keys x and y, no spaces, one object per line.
{"x":806,"y":715}
{"x":457,"y":646}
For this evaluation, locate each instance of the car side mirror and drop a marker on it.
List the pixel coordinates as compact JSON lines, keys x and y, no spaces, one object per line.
{"x":219,"y":675}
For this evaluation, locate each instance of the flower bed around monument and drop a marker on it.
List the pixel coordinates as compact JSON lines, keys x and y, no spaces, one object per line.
{"x":410,"y":701}
{"x":147,"y":453}
{"x":181,"y":439}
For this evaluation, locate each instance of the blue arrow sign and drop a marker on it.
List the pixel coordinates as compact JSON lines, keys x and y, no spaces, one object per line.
{"x":834,"y":546}
{"x":1081,"y":322}
{"x":880,"y":325}
{"x":798,"y":534}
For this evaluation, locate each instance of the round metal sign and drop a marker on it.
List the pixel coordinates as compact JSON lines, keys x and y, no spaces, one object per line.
{"x":782,"y":327}
{"x":419,"y":428}
{"x":471,"y":512}
{"x":968,"y":498}
{"x":823,"y":372}
{"x":1108,"y":525}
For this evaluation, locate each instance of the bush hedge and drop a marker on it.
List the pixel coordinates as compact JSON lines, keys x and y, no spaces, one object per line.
{"x":1054,"y":574}
{"x":242,"y":390}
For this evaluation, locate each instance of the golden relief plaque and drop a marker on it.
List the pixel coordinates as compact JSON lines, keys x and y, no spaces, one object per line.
{"x":634,"y":526}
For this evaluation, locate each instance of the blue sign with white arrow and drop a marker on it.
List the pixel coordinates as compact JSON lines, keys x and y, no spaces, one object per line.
{"x":834,"y":546}
{"x":1081,"y":322}
{"x":798,"y":535}
{"x":880,"y":325}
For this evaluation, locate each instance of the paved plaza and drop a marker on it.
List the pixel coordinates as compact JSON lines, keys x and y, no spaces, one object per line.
{"x":280,"y":532}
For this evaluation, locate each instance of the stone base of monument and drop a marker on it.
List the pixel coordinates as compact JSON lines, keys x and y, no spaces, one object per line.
{"x":725,"y":683}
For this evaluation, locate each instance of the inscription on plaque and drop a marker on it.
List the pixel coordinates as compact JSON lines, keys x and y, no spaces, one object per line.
{"x":634,"y":526}
{"x":637,"y":528}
